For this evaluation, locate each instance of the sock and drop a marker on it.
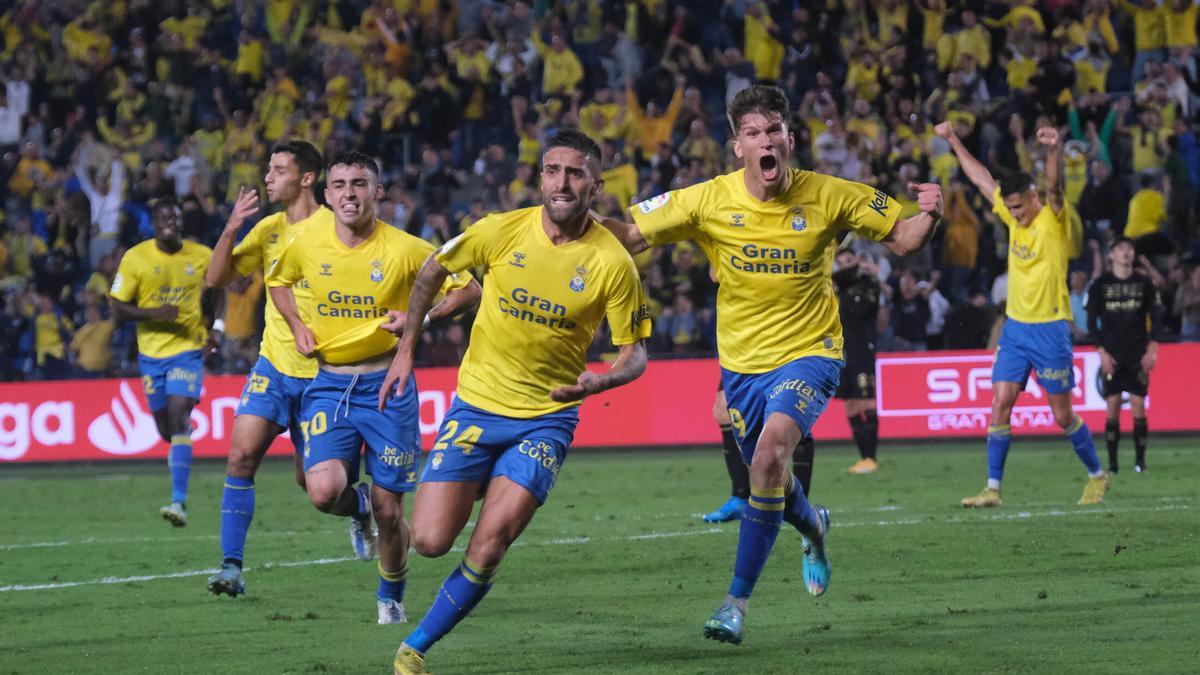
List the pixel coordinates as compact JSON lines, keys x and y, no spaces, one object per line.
{"x":1081,"y":439}
{"x":364,"y":504}
{"x":798,"y":512}
{"x":735,"y":465}
{"x":1140,"y":428}
{"x":859,"y":433}
{"x":1112,"y":434}
{"x":391,"y":584}
{"x":459,"y":594}
{"x":179,"y":460}
{"x":237,"y":510}
{"x":802,"y":462}
{"x":870,"y":434}
{"x":999,"y":438}
{"x":760,"y":527}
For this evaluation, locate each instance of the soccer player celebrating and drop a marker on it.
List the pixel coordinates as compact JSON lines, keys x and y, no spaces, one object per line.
{"x":858,"y":293}
{"x":160,"y":285}
{"x":1122,"y":319}
{"x":359,"y":272}
{"x":271,"y":399}
{"x":770,"y":232}
{"x":552,"y":274}
{"x":1037,"y":334}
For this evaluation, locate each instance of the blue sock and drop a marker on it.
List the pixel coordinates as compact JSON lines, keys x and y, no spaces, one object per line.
{"x":237,"y":510}
{"x":798,"y":512}
{"x":999,"y":439}
{"x":459,"y":594}
{"x":180,"y":462}
{"x":1081,"y":439}
{"x":760,"y":527}
{"x":392,"y":584}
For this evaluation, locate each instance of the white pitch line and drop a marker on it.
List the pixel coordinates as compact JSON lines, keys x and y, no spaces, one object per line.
{"x":1001,"y":517}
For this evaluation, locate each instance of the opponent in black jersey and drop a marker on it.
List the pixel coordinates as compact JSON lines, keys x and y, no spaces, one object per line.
{"x":858,"y":292}
{"x":1122,"y":320}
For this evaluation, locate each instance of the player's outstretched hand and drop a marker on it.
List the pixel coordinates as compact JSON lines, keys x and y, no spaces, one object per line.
{"x":1048,"y":136}
{"x":929,"y":197}
{"x":395,"y":322}
{"x":166,"y":312}
{"x":306,"y":342}
{"x":945,"y":130}
{"x":398,"y":373}
{"x":588,"y":383}
{"x":245,"y":206}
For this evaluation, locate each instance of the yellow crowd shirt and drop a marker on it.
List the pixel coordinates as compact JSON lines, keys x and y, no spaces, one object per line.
{"x":352,"y":289}
{"x":773,"y":259}
{"x":1037,"y":264}
{"x":93,"y":346}
{"x":48,"y":336}
{"x":541,"y":307}
{"x":1181,"y":25}
{"x":1147,"y":211}
{"x":150,"y":277}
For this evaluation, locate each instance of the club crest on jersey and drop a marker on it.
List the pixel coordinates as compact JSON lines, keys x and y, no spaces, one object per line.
{"x":799,"y":223}
{"x":190,"y":270}
{"x":326,"y":269}
{"x":518,"y":259}
{"x":376,"y":271}
{"x":436,"y":461}
{"x":737,"y":220}
{"x":654,"y":203}
{"x":577,"y":280}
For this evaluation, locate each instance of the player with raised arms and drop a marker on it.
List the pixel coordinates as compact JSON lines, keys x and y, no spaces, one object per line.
{"x":551,"y":275}
{"x":1037,"y":333}
{"x":270,"y":401}
{"x":359,"y":271}
{"x":770,"y":231}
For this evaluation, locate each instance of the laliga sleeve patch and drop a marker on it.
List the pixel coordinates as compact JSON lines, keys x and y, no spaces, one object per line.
{"x":654,"y":203}
{"x":116,"y":283}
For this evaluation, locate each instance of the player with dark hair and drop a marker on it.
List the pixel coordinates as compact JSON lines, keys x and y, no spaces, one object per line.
{"x":1037,"y":334}
{"x":1122,"y":311}
{"x":551,"y":275}
{"x":160,"y":285}
{"x":770,"y":232}
{"x":359,"y":271}
{"x":270,"y":402}
{"x":858,"y":293}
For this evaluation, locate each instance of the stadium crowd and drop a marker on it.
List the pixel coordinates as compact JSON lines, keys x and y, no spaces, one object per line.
{"x":107,"y":106}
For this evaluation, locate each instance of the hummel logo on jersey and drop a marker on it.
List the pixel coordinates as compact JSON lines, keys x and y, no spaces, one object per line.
{"x":737,"y":220}
{"x":879,"y":203}
{"x":326,"y":269}
{"x":518,"y":259}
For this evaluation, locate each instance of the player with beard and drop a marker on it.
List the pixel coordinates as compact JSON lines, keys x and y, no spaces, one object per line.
{"x":770,"y":232}
{"x":551,"y":275}
{"x":1122,"y":309}
{"x":858,"y":293}
{"x":160,"y":285}
{"x":270,"y":402}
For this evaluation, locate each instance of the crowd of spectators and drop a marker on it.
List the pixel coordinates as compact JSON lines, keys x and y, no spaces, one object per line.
{"x":106,"y":106}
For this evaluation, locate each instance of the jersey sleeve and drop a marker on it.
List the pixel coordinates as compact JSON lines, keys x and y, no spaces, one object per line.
{"x":1001,"y":211}
{"x":671,"y":216}
{"x":125,"y":283}
{"x":287,"y":270}
{"x":866,"y":210}
{"x":470,"y":249}
{"x":625,"y":307}
{"x":248,"y":254}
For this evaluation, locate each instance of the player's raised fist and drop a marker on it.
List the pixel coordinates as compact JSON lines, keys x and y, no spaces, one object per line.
{"x":929,"y":197}
{"x":945,"y":130}
{"x":1048,"y":136}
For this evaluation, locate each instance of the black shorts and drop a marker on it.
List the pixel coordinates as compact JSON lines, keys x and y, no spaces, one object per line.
{"x":858,"y":378}
{"x":1126,"y":378}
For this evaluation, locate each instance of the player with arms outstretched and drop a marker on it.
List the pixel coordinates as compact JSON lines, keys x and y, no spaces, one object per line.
{"x":770,"y":232}
{"x":270,"y":401}
{"x":359,"y":272}
{"x":1037,"y":334}
{"x":552,"y":274}
{"x":160,"y":285}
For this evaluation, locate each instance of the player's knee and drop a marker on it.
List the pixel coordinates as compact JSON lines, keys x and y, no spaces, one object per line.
{"x":388,"y":510}
{"x":323,"y":496}
{"x":430,"y":544}
{"x":1064,"y":418}
{"x":241,"y":464}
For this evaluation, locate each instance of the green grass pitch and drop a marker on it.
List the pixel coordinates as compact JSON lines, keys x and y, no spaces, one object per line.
{"x":617,"y":573}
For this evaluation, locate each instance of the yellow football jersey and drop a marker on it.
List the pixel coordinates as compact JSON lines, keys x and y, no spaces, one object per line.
{"x":773,"y":259}
{"x":260,"y":248}
{"x":541,"y":307}
{"x":150,"y":277}
{"x":352,"y":289}
{"x":1037,"y":264}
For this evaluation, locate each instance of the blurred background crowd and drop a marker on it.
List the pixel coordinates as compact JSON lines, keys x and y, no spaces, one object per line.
{"x":105,"y":106}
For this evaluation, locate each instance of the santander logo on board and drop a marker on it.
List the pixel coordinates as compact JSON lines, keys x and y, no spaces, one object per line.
{"x":127,"y":428}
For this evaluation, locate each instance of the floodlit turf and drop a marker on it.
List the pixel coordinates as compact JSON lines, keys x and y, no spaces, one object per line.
{"x":618,"y":574}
